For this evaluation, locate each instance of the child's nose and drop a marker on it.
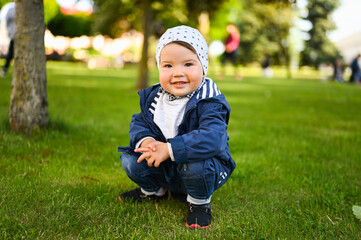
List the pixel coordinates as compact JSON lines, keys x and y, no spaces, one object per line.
{"x":178,"y":71}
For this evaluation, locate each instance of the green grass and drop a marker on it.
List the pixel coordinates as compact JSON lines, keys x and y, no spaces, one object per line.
{"x":296,"y":144}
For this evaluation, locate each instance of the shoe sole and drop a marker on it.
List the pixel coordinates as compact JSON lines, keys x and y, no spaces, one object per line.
{"x":168,"y":198}
{"x":196,"y":226}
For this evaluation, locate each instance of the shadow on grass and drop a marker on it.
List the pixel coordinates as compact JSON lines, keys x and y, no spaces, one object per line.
{"x":54,"y":126}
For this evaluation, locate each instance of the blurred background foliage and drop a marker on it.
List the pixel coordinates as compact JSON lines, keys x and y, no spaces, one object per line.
{"x":265,"y":25}
{"x":70,"y":25}
{"x":318,"y":48}
{"x":51,"y":9}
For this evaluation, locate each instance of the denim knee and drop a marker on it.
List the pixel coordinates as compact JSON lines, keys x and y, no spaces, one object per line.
{"x":202,"y":178}
{"x":191,"y":170}
{"x":129,"y":163}
{"x":197,"y":180}
{"x":132,"y":168}
{"x":144,"y":176}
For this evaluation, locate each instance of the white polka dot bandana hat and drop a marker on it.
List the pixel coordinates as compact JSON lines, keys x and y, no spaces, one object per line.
{"x":189,"y":35}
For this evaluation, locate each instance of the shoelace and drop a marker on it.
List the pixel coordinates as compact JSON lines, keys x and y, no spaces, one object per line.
{"x":204,"y":208}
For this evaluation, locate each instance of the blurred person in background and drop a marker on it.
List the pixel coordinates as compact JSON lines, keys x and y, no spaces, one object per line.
{"x":355,"y":70}
{"x":266,"y":67}
{"x":231,"y":44}
{"x":8,"y":16}
{"x":338,"y":71}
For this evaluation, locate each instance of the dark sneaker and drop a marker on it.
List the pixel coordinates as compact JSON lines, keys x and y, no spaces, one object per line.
{"x":136,"y":195}
{"x":199,"y":216}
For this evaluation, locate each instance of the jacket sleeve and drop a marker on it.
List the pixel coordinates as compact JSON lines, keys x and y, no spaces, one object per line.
{"x":138,"y":129}
{"x":208,"y":140}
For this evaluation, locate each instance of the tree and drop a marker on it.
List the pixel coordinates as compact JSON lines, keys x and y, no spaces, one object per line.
{"x":28,"y":102}
{"x":70,"y":25}
{"x":196,"y":8}
{"x":319,"y":49}
{"x":143,"y":76}
{"x":277,"y":29}
{"x":264,"y":27}
{"x":51,"y":9}
{"x":113,"y":17}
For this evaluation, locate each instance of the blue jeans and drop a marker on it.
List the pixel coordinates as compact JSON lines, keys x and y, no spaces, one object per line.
{"x":198,"y":179}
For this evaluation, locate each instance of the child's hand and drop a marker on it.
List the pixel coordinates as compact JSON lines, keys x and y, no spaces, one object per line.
{"x":154,"y":153}
{"x":149,"y":142}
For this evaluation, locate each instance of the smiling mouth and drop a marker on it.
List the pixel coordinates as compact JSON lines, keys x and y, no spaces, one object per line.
{"x":179,"y":83}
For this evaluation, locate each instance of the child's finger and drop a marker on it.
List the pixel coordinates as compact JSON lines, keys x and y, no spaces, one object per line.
{"x":150,"y":162}
{"x":143,"y":156}
{"x":151,"y":146}
{"x":156,"y":164}
{"x":142,"y":149}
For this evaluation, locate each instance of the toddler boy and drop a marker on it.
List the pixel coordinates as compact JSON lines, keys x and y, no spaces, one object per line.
{"x":179,"y":141}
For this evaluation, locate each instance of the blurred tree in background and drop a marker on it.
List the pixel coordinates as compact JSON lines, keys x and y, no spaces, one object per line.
{"x":61,"y":24}
{"x":318,"y":48}
{"x":70,"y":25}
{"x":113,"y":17}
{"x":264,"y":27}
{"x":51,"y":9}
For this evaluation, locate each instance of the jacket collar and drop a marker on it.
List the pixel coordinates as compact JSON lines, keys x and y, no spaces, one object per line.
{"x":189,"y":95}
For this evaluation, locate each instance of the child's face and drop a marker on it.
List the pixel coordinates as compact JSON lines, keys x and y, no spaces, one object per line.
{"x":180,"y":71}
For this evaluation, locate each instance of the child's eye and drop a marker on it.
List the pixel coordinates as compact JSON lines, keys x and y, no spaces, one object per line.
{"x":188,"y":64}
{"x":167,"y":66}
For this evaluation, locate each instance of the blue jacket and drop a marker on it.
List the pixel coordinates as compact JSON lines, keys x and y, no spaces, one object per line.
{"x":202,"y":133}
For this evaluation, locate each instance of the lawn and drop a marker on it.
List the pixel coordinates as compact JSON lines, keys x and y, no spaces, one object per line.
{"x":296,"y":143}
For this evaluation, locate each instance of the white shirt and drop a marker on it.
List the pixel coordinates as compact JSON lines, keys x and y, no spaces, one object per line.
{"x":168,"y":115}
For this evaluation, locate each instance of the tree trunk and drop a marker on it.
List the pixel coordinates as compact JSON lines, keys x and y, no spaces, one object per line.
{"x":143,"y":77}
{"x":287,"y":61}
{"x":28,"y":102}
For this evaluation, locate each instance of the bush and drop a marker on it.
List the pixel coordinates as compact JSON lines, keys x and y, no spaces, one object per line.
{"x":70,"y":25}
